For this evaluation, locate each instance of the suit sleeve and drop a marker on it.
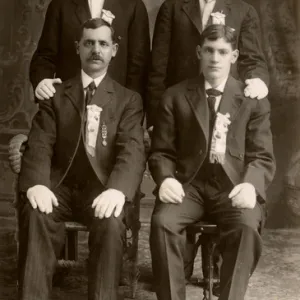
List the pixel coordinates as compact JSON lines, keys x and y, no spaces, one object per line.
{"x":138,"y":49}
{"x":36,"y":161}
{"x":159,"y":60}
{"x":130,"y":163}
{"x":162,"y":161}
{"x":259,"y":157}
{"x":44,"y":60}
{"x":251,"y":62}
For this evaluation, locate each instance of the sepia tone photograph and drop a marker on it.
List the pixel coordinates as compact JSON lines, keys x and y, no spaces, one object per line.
{"x":149,"y":149}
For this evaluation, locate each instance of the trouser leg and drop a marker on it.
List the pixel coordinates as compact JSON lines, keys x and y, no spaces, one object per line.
{"x":41,"y":238}
{"x":106,"y":247}
{"x":240,"y":244}
{"x":167,"y":243}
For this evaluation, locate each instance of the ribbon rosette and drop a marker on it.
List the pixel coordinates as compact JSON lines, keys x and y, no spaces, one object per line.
{"x":107,"y":16}
{"x":92,"y":127}
{"x":219,"y":136}
{"x":218,"y":18}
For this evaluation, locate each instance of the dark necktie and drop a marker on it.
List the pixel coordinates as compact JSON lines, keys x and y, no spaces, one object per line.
{"x":90,"y":92}
{"x":211,"y":99}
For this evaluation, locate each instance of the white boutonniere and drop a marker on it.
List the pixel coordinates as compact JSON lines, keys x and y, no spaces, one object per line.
{"x":218,"y":18}
{"x":219,"y":137}
{"x":92,"y":127}
{"x":107,"y":16}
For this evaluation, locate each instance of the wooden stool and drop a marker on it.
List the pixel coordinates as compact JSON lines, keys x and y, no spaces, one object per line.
{"x":71,"y":245}
{"x":210,"y":234}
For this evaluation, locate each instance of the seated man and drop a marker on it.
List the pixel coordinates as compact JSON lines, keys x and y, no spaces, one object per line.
{"x":211,"y":155}
{"x":84,"y":159}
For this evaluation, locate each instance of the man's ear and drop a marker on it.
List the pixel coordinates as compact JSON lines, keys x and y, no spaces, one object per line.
{"x":115,"y":49}
{"x":77,"y":47}
{"x":198,"y":52}
{"x":235,"y":55}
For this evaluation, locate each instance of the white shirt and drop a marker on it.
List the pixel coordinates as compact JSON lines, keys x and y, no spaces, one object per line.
{"x":96,"y":8}
{"x":220,"y":88}
{"x":209,"y":7}
{"x":86,"y":80}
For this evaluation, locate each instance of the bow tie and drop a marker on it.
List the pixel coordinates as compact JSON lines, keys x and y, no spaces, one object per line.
{"x":213,"y":93}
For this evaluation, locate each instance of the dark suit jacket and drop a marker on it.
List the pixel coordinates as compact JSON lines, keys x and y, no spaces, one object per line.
{"x":177,"y":33}
{"x":56,"y":52}
{"x":56,"y":131}
{"x":180,"y":137}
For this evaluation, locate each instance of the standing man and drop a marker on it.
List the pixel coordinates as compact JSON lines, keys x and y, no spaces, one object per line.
{"x":211,"y":154}
{"x":178,"y":27}
{"x":55,"y":58}
{"x":84,"y":160}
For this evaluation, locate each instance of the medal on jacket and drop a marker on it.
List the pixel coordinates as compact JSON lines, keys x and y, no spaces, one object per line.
{"x":104,"y":134}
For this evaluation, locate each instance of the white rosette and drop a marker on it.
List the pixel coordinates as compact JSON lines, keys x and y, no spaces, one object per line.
{"x":92,"y":127}
{"x":218,"y":18}
{"x":219,"y":136}
{"x":107,"y":16}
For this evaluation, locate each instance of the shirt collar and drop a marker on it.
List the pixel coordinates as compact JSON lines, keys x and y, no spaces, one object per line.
{"x":86,"y":79}
{"x":220,"y":87}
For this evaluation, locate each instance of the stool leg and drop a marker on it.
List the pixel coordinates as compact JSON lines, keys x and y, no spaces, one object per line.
{"x":210,"y":245}
{"x":189,"y":255}
{"x":210,"y":271}
{"x":71,"y":246}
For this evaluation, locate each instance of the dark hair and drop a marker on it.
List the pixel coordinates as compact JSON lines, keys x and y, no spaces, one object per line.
{"x":218,"y":31}
{"x":94,"y":24}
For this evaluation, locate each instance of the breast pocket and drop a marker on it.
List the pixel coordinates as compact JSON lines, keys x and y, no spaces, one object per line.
{"x":238,"y":154}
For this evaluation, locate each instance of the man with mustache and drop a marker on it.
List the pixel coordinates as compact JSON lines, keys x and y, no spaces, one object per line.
{"x":211,"y":155}
{"x":84,"y":161}
{"x":55,"y":58}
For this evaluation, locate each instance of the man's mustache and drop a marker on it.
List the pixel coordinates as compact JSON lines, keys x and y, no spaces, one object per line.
{"x":96,"y":57}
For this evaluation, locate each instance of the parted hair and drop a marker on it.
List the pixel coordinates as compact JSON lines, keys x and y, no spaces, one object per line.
{"x":218,"y":31}
{"x":94,"y":24}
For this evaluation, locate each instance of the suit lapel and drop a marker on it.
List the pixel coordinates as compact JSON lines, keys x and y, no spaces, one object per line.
{"x":82,"y":10}
{"x":231,"y":99}
{"x":74,"y":92}
{"x":223,"y":6}
{"x":197,"y":99}
{"x":110,"y":5}
{"x":104,"y":92}
{"x":192,"y":10}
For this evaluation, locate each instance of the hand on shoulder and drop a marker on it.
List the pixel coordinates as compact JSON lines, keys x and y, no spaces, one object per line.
{"x":46,"y":89}
{"x":256,"y":88}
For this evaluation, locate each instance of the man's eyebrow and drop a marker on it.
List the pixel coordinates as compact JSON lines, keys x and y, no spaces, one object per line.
{"x":96,"y":40}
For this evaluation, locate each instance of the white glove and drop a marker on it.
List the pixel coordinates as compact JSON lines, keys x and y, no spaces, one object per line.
{"x":45,"y":88}
{"x":107,"y":202}
{"x":42,"y":198}
{"x":256,"y":88}
{"x":243,"y":196}
{"x":171,"y":191}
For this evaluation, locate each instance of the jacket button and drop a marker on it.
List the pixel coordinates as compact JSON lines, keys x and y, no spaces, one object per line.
{"x":241,"y":155}
{"x":200,"y":152}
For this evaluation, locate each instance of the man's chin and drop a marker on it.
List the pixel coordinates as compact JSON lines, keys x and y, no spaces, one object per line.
{"x":213,"y":75}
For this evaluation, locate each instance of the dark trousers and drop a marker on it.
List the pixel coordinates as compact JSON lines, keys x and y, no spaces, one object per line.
{"x":41,"y":240}
{"x":240,"y":242}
